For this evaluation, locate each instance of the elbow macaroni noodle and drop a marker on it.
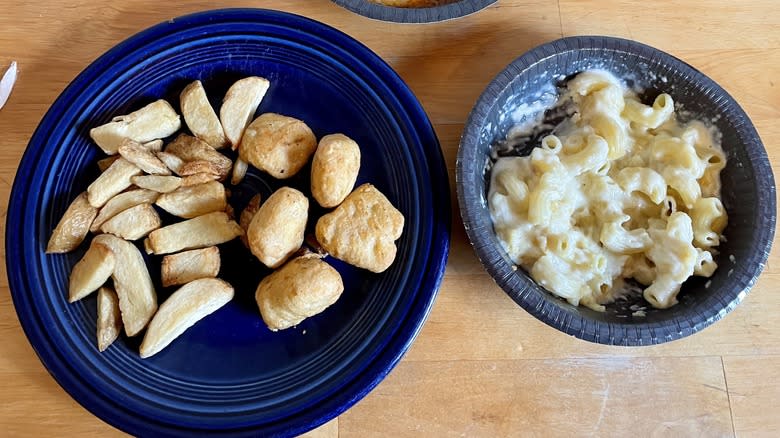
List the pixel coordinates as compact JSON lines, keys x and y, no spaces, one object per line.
{"x":620,"y":191}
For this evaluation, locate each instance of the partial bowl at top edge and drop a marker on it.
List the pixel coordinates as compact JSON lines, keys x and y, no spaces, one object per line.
{"x":433,"y":14}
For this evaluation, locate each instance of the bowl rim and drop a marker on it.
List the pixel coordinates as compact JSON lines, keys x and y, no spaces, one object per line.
{"x":433,"y":14}
{"x":522,"y":289}
{"x":377,"y":366}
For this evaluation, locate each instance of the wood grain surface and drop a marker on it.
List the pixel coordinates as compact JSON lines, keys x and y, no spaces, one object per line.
{"x":481,"y":366}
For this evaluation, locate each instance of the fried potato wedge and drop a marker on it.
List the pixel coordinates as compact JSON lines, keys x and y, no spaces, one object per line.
{"x":362,"y":230}
{"x":198,"y":178}
{"x":302,"y":288}
{"x":200,"y":116}
{"x":334,"y":169}
{"x":122,"y":202}
{"x":193,"y":201}
{"x":277,"y":229}
{"x":154,"y":121}
{"x":184,"y":267}
{"x":171,"y":161}
{"x":153,"y":146}
{"x":133,"y":223}
{"x":188,"y":305}
{"x":189,"y":148}
{"x":112,"y":182}
{"x":157,"y":183}
{"x":200,"y":232}
{"x":200,"y":166}
{"x":137,"y":297}
{"x":143,"y":158}
{"x":278,"y":145}
{"x":109,"y":319}
{"x":73,"y":226}
{"x":239,"y":106}
{"x":91,"y":271}
{"x":105,"y":163}
{"x":239,"y":171}
{"x":247,"y":214}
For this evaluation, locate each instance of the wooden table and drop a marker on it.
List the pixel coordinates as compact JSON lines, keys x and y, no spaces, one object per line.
{"x":481,"y":366}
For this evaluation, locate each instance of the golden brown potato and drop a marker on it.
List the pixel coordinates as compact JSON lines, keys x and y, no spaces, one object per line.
{"x":193,"y":201}
{"x":200,"y":232}
{"x":157,"y":183}
{"x":120,"y":203}
{"x":189,"y":148}
{"x":112,"y":182}
{"x":334,"y":169}
{"x":239,"y":171}
{"x":276,"y":231}
{"x":137,"y":298}
{"x":198,"y":178}
{"x":73,"y":226}
{"x":187,"y":266}
{"x":239,"y":106}
{"x":278,"y":145}
{"x":246,"y":216}
{"x":188,"y":305}
{"x":171,"y":161}
{"x":91,"y":271}
{"x":362,"y":230}
{"x":105,"y":163}
{"x":199,"y":166}
{"x":109,"y":320}
{"x":200,"y":116}
{"x":142,"y":157}
{"x":154,"y":121}
{"x":300,"y":289}
{"x":133,"y":223}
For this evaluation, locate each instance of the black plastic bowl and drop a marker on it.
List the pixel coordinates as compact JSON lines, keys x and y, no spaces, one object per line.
{"x":414,"y":15}
{"x":748,"y":192}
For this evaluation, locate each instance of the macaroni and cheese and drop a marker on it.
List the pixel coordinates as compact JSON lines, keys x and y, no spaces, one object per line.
{"x":619,"y":190}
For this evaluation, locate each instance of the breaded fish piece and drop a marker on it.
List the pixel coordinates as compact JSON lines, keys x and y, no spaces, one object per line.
{"x":302,"y":288}
{"x":362,"y":231}
{"x":278,"y":145}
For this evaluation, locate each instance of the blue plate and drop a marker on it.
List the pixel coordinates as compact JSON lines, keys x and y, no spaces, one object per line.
{"x":229,"y":374}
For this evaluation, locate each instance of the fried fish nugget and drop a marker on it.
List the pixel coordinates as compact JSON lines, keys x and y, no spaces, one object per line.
{"x":362,"y":231}
{"x":276,"y":230}
{"x":278,"y":145}
{"x":302,"y":288}
{"x":334,"y":169}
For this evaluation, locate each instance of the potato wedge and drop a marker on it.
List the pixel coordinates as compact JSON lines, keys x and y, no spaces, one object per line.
{"x":200,"y":116}
{"x":143,"y":158}
{"x":193,"y":201}
{"x":187,"y":266}
{"x":109,"y":319}
{"x":111,"y":182}
{"x":239,"y":106}
{"x":122,"y":202}
{"x":278,"y":145}
{"x":133,"y":223}
{"x":247,"y":214}
{"x":137,"y":298}
{"x":73,"y":226}
{"x":301,"y":288}
{"x":105,"y":163}
{"x":188,"y":305}
{"x":172,"y":161}
{"x":157,"y":183}
{"x":189,"y":148}
{"x":198,"y":178}
{"x":277,"y":229}
{"x":199,"y":166}
{"x":200,"y":232}
{"x":154,"y":121}
{"x":239,"y":171}
{"x":91,"y":271}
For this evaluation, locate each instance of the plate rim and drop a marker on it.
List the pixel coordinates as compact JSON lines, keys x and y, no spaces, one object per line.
{"x":414,"y":15}
{"x":375,"y":369}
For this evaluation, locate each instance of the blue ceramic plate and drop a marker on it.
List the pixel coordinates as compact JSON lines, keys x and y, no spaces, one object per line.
{"x":229,"y":373}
